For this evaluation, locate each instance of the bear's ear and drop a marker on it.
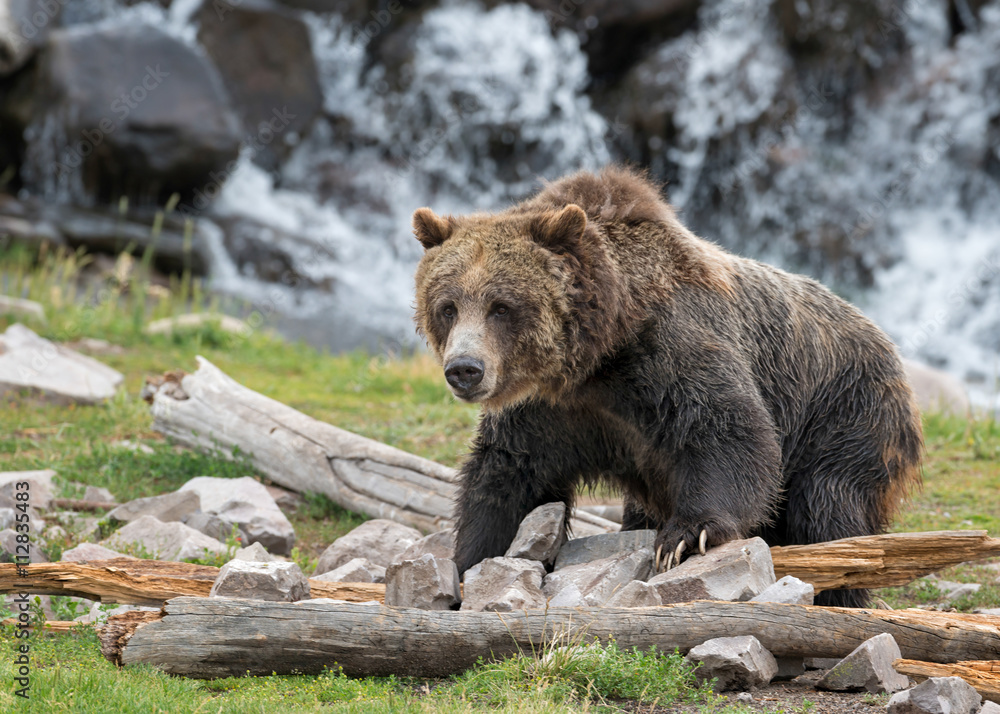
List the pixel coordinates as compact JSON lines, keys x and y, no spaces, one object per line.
{"x":429,"y":228}
{"x":562,"y":229}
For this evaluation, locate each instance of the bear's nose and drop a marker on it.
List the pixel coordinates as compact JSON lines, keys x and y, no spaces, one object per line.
{"x":464,"y":373}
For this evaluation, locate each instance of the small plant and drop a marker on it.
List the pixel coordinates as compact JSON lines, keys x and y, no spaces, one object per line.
{"x":66,"y":608}
{"x":304,"y":560}
{"x":217,"y":560}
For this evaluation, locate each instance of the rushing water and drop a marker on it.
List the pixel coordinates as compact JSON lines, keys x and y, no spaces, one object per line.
{"x":905,"y":189}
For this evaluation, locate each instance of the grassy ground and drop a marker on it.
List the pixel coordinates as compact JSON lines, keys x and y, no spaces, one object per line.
{"x":401,"y":401}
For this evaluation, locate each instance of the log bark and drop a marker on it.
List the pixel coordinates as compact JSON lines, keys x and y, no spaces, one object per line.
{"x":208,"y":638}
{"x":133,"y":581}
{"x":984,"y":676}
{"x":883,"y":560}
{"x":75,"y":504}
{"x":209,"y":411}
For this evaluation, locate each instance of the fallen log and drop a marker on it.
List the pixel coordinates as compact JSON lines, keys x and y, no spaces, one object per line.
{"x":213,"y":637}
{"x":50,"y":625}
{"x":76,"y":504}
{"x":883,"y":560}
{"x":866,"y":562}
{"x":983,"y":676}
{"x":209,"y":411}
{"x":133,"y":581}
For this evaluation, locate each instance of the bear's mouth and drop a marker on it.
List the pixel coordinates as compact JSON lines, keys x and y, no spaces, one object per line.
{"x":471,"y":396}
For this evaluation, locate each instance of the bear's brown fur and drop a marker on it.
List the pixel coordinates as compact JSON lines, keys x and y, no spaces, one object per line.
{"x":606,"y":342}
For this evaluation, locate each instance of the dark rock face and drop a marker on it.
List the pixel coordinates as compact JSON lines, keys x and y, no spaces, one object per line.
{"x":122,"y":111}
{"x":264,"y":54}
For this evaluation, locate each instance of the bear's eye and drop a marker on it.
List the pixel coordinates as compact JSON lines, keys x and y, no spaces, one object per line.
{"x":448,"y":311}
{"x":501,"y":310}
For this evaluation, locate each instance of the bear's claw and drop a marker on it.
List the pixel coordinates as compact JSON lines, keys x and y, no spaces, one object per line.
{"x":674,"y":558}
{"x":702,"y":540}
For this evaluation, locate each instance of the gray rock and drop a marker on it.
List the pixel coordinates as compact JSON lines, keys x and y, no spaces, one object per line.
{"x":636,"y":594}
{"x":83,"y":526}
{"x":100,"y":494}
{"x":789,"y":590}
{"x":214,"y":526}
{"x":568,"y":596}
{"x":605,"y":545}
{"x":163,"y":541}
{"x":440,"y":545}
{"x":13,"y":551}
{"x":952,"y":591}
{"x":277,"y":582}
{"x":247,"y":504}
{"x":597,"y":581}
{"x":990,"y":708}
{"x":734,"y":662}
{"x":735,"y":571}
{"x":788,"y":668}
{"x":100,"y":616}
{"x":378,"y":540}
{"x":21,"y":308}
{"x":8,"y":518}
{"x":937,"y":695}
{"x":255,"y":553}
{"x":40,"y":488}
{"x":936,"y":390}
{"x":504,"y":585}
{"x":90,"y":551}
{"x":54,"y":373}
{"x":357,"y":570}
{"x":287,"y":501}
{"x":427,"y":583}
{"x":541,"y":534}
{"x":868,"y":667}
{"x":168,"y":508}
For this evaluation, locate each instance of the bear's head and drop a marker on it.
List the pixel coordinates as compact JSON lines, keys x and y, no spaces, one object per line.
{"x":515,"y":305}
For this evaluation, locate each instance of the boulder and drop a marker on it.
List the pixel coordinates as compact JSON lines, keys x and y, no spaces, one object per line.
{"x":193,"y":321}
{"x":598,"y":580}
{"x":789,"y":590}
{"x":276,"y":582}
{"x":937,"y":695}
{"x":427,"y":583}
{"x":24,"y":25}
{"x":569,"y":595}
{"x":169,"y":507}
{"x":504,"y":585}
{"x":734,"y":571}
{"x":952,"y":591}
{"x":39,"y":491}
{"x":440,"y":545}
{"x":379,"y":540}
{"x":636,"y":594}
{"x":734,"y":662}
{"x":99,"y":494}
{"x":245,"y":502}
{"x":869,"y":668}
{"x":990,"y":708}
{"x":605,"y":545}
{"x":356,"y":570}
{"x":13,"y":551}
{"x":255,"y":553}
{"x":163,"y":541}
{"x":90,"y":551}
{"x":54,"y":373}
{"x":21,"y":308}
{"x":540,"y":534}
{"x":936,"y":391}
{"x":213,"y":526}
{"x":264,"y":54}
{"x":145,"y":115}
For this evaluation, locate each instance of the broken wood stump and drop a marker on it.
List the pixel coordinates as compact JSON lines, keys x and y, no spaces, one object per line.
{"x":133,"y":581}
{"x":983,"y":676}
{"x":214,"y":637}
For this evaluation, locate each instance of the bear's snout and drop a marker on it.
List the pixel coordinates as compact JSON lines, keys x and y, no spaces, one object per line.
{"x":463,"y":373}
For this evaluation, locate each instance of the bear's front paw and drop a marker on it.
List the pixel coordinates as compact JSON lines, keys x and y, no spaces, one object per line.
{"x":676,"y":540}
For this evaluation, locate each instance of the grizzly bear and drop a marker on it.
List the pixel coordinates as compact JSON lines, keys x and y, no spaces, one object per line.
{"x":608,"y":344}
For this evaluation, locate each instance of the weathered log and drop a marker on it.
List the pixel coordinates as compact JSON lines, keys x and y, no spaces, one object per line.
{"x":50,"y":625}
{"x":883,"y":560}
{"x":215,"y":637}
{"x":209,"y":411}
{"x":134,"y":581}
{"x":984,"y":676}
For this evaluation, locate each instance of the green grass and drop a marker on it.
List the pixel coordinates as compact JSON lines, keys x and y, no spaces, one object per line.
{"x":400,"y":400}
